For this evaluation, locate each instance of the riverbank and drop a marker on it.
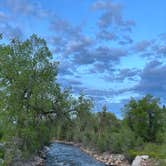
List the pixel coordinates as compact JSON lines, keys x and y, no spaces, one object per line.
{"x":107,"y":158}
{"x":34,"y":161}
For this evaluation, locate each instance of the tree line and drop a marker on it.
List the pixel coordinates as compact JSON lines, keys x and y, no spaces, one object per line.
{"x":34,"y":108}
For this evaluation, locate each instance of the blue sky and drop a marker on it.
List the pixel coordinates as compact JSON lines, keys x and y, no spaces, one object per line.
{"x":110,"y":50}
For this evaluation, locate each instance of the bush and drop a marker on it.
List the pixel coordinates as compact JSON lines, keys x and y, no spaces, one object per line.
{"x":102,"y":144}
{"x":1,"y":154}
{"x":155,"y":151}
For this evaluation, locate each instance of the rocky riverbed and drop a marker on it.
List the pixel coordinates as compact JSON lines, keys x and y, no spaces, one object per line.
{"x":34,"y":161}
{"x":105,"y":158}
{"x":62,"y":153}
{"x":109,"y":159}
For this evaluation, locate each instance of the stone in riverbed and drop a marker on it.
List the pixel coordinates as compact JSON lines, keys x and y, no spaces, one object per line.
{"x":145,"y":157}
{"x":139,"y":159}
{"x":43,"y":152}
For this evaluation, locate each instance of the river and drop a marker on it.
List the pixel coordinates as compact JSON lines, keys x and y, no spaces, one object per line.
{"x":68,"y":155}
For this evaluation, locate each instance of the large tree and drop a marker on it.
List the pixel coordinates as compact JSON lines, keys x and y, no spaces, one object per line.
{"x":33,"y":108}
{"x":28,"y":91}
{"x":144,"y":117}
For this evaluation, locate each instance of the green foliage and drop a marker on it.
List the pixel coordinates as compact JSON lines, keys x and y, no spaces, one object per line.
{"x":28,"y":95}
{"x":1,"y":153}
{"x":34,"y":109}
{"x":143,"y":117}
{"x":156,"y":151}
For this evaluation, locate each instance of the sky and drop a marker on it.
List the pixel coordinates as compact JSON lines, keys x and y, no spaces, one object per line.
{"x":110,"y":50}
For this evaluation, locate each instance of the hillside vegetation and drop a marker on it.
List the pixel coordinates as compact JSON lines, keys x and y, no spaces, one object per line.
{"x":34,"y":108}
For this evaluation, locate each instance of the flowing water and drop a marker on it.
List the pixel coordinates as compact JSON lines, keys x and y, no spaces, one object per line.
{"x":68,"y":155}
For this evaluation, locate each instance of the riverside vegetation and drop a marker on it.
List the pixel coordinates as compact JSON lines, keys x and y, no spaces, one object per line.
{"x":34,"y":109}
